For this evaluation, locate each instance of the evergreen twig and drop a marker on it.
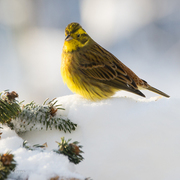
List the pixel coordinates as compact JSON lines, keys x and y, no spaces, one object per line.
{"x":7,"y":164}
{"x":72,"y":150}
{"x":34,"y":147}
{"x":9,"y":106}
{"x":32,"y":116}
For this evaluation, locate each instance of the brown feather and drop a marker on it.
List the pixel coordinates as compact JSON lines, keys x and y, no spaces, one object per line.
{"x":99,"y":64}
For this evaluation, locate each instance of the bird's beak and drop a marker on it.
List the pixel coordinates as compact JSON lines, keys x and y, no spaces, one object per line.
{"x":68,"y":38}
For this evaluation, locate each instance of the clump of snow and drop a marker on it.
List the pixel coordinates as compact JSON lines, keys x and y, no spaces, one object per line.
{"x":122,"y":138}
{"x":35,"y":165}
{"x":126,"y":138}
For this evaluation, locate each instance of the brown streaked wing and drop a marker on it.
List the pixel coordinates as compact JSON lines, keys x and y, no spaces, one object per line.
{"x":98,"y":63}
{"x":99,"y":72}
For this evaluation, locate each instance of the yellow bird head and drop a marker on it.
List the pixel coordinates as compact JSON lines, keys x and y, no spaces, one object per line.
{"x":76,"y":37}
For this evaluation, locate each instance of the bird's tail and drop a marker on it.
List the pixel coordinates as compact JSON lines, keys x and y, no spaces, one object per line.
{"x":157,"y":91}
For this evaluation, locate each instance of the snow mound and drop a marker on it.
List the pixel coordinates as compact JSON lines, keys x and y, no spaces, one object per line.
{"x":126,"y":138}
{"x":122,"y":138}
{"x":35,"y":165}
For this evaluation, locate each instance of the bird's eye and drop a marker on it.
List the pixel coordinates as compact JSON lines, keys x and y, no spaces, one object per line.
{"x":78,"y":35}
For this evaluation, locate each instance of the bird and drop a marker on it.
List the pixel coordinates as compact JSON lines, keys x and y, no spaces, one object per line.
{"x":93,"y":72}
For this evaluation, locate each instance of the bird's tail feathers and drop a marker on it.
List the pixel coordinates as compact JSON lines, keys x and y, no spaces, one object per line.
{"x":157,"y":91}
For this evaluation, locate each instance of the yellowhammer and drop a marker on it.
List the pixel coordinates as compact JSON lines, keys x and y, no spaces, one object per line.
{"x":93,"y":72}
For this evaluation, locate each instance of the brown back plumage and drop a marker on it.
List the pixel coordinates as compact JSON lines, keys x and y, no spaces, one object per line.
{"x":99,"y":64}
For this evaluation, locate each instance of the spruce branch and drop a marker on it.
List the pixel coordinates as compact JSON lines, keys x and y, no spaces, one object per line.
{"x":35,"y":116}
{"x":72,"y":150}
{"x":9,"y":106}
{"x":32,"y":116}
{"x":34,"y":147}
{"x":7,"y":164}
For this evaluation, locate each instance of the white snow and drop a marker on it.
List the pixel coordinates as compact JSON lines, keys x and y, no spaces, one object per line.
{"x":35,"y":165}
{"x":125,"y":138}
{"x":122,"y":138}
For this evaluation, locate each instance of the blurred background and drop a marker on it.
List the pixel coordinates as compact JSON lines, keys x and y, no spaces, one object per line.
{"x":143,"y":34}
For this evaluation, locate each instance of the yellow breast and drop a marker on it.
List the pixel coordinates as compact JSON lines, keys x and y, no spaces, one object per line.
{"x":69,"y":73}
{"x":80,"y":84}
